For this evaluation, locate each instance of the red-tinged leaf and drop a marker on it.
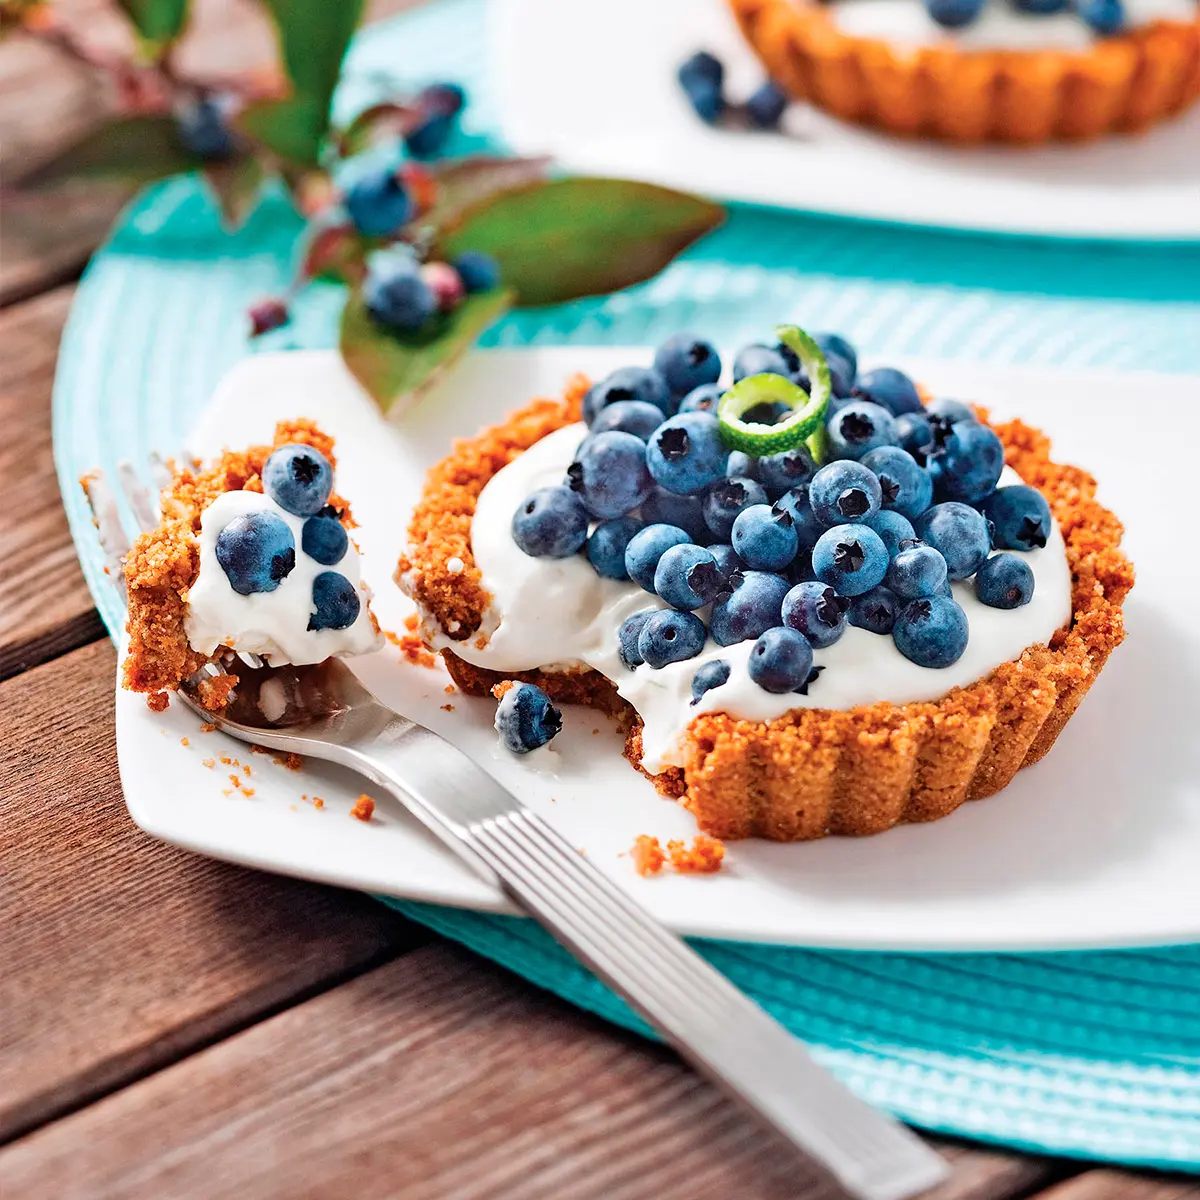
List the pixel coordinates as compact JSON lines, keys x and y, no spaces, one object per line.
{"x":336,"y":253}
{"x":237,"y":186}
{"x":374,"y":124}
{"x":294,"y":129}
{"x":158,"y":22}
{"x":132,"y":149}
{"x":397,"y":368}
{"x":467,"y":181}
{"x":267,"y":314}
{"x":561,"y":239}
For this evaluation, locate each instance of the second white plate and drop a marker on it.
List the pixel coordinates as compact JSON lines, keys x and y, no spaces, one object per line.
{"x":594,"y":85}
{"x":1095,"y":846}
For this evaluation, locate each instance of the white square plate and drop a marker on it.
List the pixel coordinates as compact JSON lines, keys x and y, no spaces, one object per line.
{"x":1095,"y":846}
{"x":594,"y":85}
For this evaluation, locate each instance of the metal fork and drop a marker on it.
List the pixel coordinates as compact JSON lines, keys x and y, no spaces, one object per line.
{"x":324,"y":712}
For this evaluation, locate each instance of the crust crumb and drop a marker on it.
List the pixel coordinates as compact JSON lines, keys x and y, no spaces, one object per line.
{"x":703,"y":857}
{"x":364,"y":808}
{"x":411,"y":622}
{"x":184,"y":742}
{"x":157,"y":701}
{"x":208,"y":762}
{"x":501,"y":689}
{"x":447,"y":708}
{"x":215,"y":691}
{"x":208,"y":727}
{"x":647,"y":855}
{"x":293,"y":762}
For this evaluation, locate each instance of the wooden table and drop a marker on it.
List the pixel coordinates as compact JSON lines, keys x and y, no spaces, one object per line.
{"x":174,"y":1027}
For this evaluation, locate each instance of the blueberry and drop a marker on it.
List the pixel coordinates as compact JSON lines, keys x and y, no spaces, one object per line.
{"x":205,"y":132}
{"x":759,"y":360}
{"x":891,"y":389}
{"x":725,"y":499}
{"x":781,"y":472}
{"x":1041,"y":6}
{"x":952,"y":14}
{"x":628,"y":383}
{"x":742,"y":465}
{"x":479,"y":272}
{"x":704,"y":398}
{"x":447,"y":98}
{"x":323,"y":537}
{"x":959,"y":532}
{"x":646,"y":547}
{"x":916,"y":435}
{"x":609,"y":474}
{"x":907,"y":488}
{"x":1004,"y":581}
{"x":429,"y":136}
{"x":968,"y":463}
{"x":628,"y":416}
{"x":844,"y":491}
{"x":686,"y":453}
{"x":766,"y":105}
{"x":916,"y":571}
{"x":754,"y":606}
{"x":948,"y":412}
{"x":931,"y":632}
{"x":686,"y":362}
{"x":628,"y":634}
{"x":1020,"y":517}
{"x":817,"y":611}
{"x":299,"y":479}
{"x":726,"y":559}
{"x":713,"y":674}
{"x":607,"y":543}
{"x":335,"y":602}
{"x":550,"y":523}
{"x":669,"y":636}
{"x":257,"y":552}
{"x":396,"y":295}
{"x":858,"y":427}
{"x":378,"y":203}
{"x":852,"y":559}
{"x":765,"y":538}
{"x":804,"y":520}
{"x":525,"y":718}
{"x":780,"y":661}
{"x":893,"y":528}
{"x":836,"y":345}
{"x":666,"y":508}
{"x":687,"y":577}
{"x":702,"y":77}
{"x":874,"y":611}
{"x":1105,"y":17}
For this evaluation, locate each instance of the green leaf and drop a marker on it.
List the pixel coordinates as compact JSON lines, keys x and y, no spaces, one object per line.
{"x":313,"y":36}
{"x":236,"y":185}
{"x":397,"y":368}
{"x":294,"y":128}
{"x":467,"y":181}
{"x":565,"y":238}
{"x":159,"y":22}
{"x":375,"y":123}
{"x":134,"y":149}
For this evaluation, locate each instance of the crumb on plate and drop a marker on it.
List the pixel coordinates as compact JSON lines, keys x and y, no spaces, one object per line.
{"x":364,"y":808}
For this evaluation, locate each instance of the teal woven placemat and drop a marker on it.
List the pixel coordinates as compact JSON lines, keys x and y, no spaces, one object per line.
{"x":1094,"y":1055}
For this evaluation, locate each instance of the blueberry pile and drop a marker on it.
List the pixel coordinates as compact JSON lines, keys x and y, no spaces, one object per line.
{"x":702,"y":78}
{"x":404,"y":294}
{"x":1105,"y":17}
{"x":257,"y":551}
{"x":783,"y":549}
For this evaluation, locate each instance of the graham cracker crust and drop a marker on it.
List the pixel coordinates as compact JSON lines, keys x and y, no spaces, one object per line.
{"x":162,"y":565}
{"x":811,"y":772}
{"x":1118,"y":85}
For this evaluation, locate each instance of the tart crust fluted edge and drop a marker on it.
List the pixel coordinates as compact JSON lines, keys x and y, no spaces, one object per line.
{"x":1119,"y":84}
{"x":811,"y":772}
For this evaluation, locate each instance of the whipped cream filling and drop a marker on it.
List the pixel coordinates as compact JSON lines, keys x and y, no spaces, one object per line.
{"x":999,"y":26}
{"x":559,"y":614}
{"x":271,"y":624}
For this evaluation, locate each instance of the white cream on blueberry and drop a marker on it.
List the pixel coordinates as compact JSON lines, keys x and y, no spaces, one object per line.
{"x":559,"y":614}
{"x":271,"y":624}
{"x":1000,"y":26}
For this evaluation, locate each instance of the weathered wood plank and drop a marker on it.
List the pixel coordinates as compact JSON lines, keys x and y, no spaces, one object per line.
{"x":45,"y":608}
{"x":1122,"y":1185}
{"x":121,"y":954}
{"x":435,"y":1075}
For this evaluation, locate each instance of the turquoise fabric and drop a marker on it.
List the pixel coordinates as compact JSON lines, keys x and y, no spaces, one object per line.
{"x":1094,"y":1054}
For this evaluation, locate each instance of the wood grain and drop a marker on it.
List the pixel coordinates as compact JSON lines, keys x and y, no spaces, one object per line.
{"x":1122,"y":1185}
{"x":45,"y":608}
{"x":433,"y":1076}
{"x":120,"y":953}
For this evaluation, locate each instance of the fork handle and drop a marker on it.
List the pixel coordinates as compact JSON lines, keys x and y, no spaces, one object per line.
{"x":712,"y":1024}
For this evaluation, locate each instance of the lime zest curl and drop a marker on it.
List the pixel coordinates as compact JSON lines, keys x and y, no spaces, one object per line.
{"x":806,"y":423}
